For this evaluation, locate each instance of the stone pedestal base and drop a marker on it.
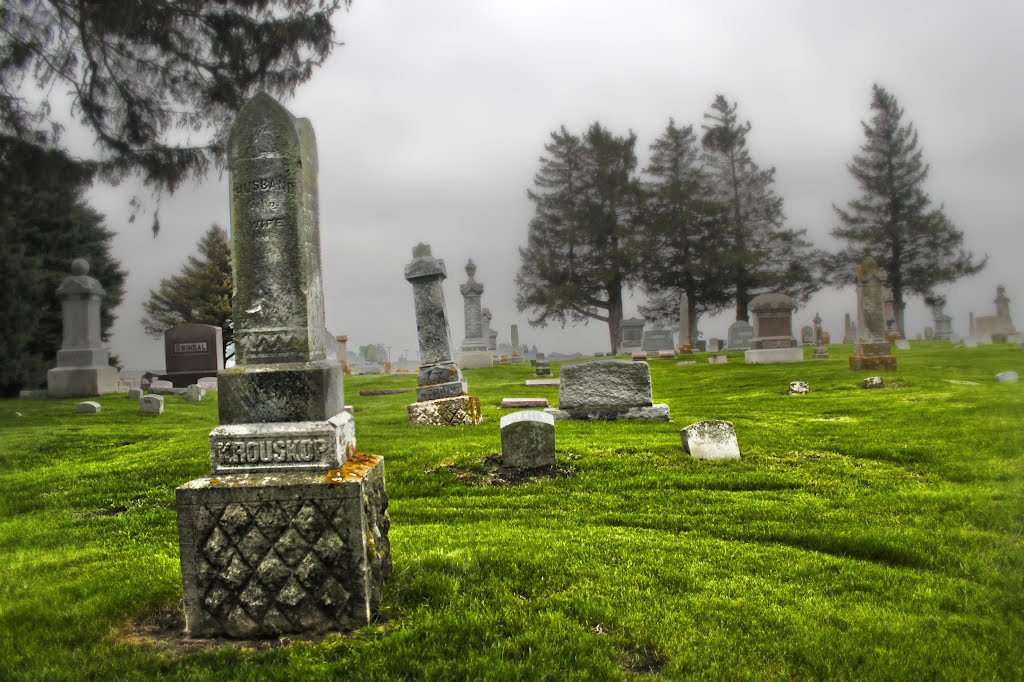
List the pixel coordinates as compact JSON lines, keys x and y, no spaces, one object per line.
{"x":69,"y":382}
{"x":456,"y":411}
{"x":271,"y":554}
{"x":884,"y":363}
{"x":657,"y":412}
{"x":284,"y":392}
{"x":474,"y":359}
{"x":772,"y":356}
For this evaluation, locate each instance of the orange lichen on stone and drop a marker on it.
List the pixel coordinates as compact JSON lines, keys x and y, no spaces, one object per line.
{"x":355,"y":466}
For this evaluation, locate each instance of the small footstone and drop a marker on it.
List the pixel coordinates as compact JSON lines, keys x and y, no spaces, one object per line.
{"x":666,"y":354}
{"x":527,"y":440}
{"x":798,"y":387}
{"x":640,"y":355}
{"x":87,"y":407}
{"x":1010,"y":377}
{"x":134,"y":393}
{"x":711,"y":439}
{"x":543,"y":382}
{"x":151,"y":404}
{"x":520,"y":403}
{"x":874,"y":382}
{"x":686,"y":363}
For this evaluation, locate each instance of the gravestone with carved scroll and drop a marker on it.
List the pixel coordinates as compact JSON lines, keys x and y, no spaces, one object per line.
{"x":289,"y":531}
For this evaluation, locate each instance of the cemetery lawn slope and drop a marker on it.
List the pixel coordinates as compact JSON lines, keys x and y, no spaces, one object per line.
{"x":869,"y":534}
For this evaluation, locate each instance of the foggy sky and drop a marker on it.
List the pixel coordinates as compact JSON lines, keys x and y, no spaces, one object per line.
{"x":431,"y":118}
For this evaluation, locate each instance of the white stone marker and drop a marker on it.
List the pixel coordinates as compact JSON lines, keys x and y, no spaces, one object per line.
{"x":874,"y":382}
{"x":87,"y":407}
{"x":151,"y":404}
{"x":711,"y":439}
{"x":798,"y":388}
{"x":134,"y":393}
{"x":1010,"y":377}
{"x":527,"y":439}
{"x":194,"y":393}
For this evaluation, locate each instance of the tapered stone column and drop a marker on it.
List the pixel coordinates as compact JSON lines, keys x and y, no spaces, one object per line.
{"x":473,"y":352}
{"x":441,"y":392}
{"x":873,"y":351}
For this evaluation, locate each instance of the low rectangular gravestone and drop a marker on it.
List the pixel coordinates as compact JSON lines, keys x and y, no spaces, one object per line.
{"x":607,"y":390}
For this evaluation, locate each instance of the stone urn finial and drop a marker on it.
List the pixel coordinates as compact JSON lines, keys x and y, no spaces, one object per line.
{"x":79,"y":267}
{"x":470,"y":268}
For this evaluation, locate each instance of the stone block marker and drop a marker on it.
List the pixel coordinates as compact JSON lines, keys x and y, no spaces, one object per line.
{"x":151,"y":404}
{"x":134,"y":393}
{"x":527,"y":440}
{"x":607,"y":390}
{"x":87,"y":407}
{"x":521,"y":403}
{"x":711,"y":439}
{"x":194,"y":393}
{"x":543,"y":382}
{"x":1010,"y":377}
{"x":288,"y":533}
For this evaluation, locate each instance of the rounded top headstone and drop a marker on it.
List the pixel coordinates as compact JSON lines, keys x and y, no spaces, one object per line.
{"x":79,"y":267}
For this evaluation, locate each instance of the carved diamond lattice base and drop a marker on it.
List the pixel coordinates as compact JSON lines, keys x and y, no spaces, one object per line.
{"x":463,"y":409}
{"x":271,"y":554}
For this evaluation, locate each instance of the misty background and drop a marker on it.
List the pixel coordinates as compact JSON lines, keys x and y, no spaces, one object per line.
{"x":430,"y":120}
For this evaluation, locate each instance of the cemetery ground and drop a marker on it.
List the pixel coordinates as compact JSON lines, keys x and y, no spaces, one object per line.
{"x":871,"y":534}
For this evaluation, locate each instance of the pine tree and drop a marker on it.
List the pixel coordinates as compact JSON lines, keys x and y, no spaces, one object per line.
{"x":892,"y":221}
{"x":682,"y":249}
{"x":579,"y":254}
{"x":44,"y":225}
{"x":764,"y":254}
{"x":200,"y":294}
{"x":142,"y":72}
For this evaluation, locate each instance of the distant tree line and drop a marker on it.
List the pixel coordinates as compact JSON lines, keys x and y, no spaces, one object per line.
{"x":703,"y":219}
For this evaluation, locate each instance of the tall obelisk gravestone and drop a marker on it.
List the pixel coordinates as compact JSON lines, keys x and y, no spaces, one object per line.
{"x":289,"y":532}
{"x":441,"y":397}
{"x":473,"y":352}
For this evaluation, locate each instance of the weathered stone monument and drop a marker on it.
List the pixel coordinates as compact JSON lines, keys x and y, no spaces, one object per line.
{"x":289,"y":531}
{"x":999,"y":326}
{"x":820,"y":351}
{"x":656,"y":340}
{"x":527,"y":439}
{"x":712,"y":439}
{"x":943,"y":329}
{"x":773,"y":340}
{"x":607,"y":390}
{"x":489,"y":333}
{"x":191,"y":352}
{"x":807,"y":335}
{"x":631,"y":333}
{"x":473,"y":352}
{"x":517,"y":355}
{"x":892,"y":326}
{"x":685,"y":343}
{"x":849,"y":330}
{"x":741,"y":333}
{"x":83,"y":365}
{"x":441,"y":392}
{"x":873,"y":351}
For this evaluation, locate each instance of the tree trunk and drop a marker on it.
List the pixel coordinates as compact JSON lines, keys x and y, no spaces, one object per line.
{"x":615,"y":317}
{"x":742,"y":301}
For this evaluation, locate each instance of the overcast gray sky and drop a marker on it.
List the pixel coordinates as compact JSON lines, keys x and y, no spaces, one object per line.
{"x":431,"y":118}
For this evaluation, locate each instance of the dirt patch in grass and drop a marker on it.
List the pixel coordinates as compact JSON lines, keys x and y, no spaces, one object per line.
{"x":643,"y":660}
{"x":163,"y":630}
{"x":491,"y":472}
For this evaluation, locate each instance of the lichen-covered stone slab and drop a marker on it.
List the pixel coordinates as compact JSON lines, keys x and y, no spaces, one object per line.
{"x":605,"y":383}
{"x":454,"y":411}
{"x":265,"y":555}
{"x":527,"y":440}
{"x":711,"y":439}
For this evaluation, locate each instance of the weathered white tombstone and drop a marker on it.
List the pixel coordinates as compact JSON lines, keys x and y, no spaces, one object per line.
{"x":716,"y":359}
{"x":441,"y":392}
{"x":711,"y":439}
{"x":873,"y":350}
{"x":134,"y":393}
{"x":1010,"y":377}
{"x":289,"y":532}
{"x":151,"y":404}
{"x":92,"y":407}
{"x":473,"y":352}
{"x":798,"y":388}
{"x":527,"y":440}
{"x":902,"y":344}
{"x":656,"y":340}
{"x":715,"y":345}
{"x":194,"y":393}
{"x":607,"y":390}
{"x":208,"y":383}
{"x":773,"y":340}
{"x":874,"y":382}
{"x":83,"y":365}
{"x":807,"y":335}
{"x":849,"y":330}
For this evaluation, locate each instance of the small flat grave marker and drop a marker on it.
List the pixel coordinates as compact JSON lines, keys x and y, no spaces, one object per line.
{"x":712,"y":439}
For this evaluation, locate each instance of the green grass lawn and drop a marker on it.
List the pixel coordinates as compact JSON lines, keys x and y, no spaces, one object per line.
{"x":870,"y":534}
